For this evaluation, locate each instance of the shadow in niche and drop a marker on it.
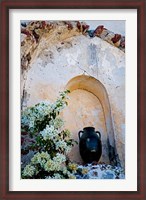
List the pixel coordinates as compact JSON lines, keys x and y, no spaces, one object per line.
{"x":95,"y":87}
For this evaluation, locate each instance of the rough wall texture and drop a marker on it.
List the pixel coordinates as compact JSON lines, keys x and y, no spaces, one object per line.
{"x":54,"y":55}
{"x":83,"y":110}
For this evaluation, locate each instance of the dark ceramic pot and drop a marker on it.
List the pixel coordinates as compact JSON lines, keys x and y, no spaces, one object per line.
{"x":90,"y":146}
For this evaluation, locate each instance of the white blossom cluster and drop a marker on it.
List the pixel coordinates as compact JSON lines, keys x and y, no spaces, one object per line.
{"x":56,"y":163}
{"x":51,"y":140}
{"x":49,"y":133}
{"x":53,"y":128}
{"x":60,"y":158}
{"x":57,"y":123}
{"x":43,"y":160}
{"x":61,"y":144}
{"x":31,"y":116}
{"x":53,"y":132}
{"x":29,"y":171}
{"x":40,"y":158}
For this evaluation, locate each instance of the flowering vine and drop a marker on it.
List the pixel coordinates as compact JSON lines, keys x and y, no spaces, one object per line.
{"x":48,"y":139}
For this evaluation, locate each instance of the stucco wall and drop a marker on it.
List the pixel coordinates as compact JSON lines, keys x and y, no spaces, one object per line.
{"x":83,"y":110}
{"x":59,"y":58}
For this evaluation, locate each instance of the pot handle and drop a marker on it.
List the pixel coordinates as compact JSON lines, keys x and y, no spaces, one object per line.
{"x":99,"y":134}
{"x":79,"y":134}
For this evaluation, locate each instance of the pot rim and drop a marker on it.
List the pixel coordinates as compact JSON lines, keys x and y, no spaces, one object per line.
{"x":89,"y":127}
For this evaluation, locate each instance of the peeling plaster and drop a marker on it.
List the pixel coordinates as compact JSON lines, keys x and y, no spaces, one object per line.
{"x":56,"y":59}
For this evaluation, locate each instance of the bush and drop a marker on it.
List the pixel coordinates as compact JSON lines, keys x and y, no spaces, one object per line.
{"x":50,"y":143}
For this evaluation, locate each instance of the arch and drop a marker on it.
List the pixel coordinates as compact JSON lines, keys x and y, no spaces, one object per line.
{"x":95,"y":87}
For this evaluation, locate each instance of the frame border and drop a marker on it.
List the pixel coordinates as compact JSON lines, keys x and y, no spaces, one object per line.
{"x":5,"y":5}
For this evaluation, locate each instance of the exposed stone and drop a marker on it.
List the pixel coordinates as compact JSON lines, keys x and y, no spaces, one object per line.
{"x":100,"y":171}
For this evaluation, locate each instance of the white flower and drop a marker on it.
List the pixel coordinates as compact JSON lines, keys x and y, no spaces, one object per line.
{"x":68,"y":149}
{"x":28,"y":171}
{"x":49,"y":166}
{"x":53,"y":137}
{"x":57,"y":123}
{"x":73,"y":166}
{"x":40,"y":158}
{"x":49,"y":133}
{"x":31,"y":116}
{"x":64,"y":170}
{"x":60,"y":158}
{"x":31,"y":124}
{"x":61,"y":144}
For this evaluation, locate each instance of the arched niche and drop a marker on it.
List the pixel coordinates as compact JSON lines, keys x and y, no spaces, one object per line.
{"x":94,"y":86}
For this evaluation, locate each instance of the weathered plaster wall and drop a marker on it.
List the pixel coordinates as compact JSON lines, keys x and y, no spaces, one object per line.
{"x":84,"y":109}
{"x":56,"y":59}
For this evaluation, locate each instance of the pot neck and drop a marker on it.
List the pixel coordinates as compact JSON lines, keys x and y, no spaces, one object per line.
{"x":90,"y":129}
